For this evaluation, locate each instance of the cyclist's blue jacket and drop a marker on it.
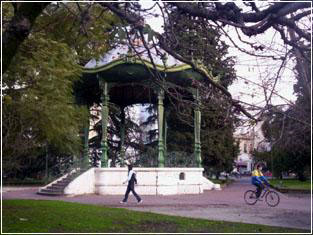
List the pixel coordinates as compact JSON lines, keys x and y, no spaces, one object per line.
{"x":258,"y":178}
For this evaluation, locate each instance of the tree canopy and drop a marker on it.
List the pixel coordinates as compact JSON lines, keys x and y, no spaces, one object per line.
{"x":40,"y":111}
{"x":44,"y":44}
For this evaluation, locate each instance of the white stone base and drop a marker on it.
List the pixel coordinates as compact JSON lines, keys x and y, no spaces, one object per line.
{"x":151,"y":181}
{"x":85,"y":183}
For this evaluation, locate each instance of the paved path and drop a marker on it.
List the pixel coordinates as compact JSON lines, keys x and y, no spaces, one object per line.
{"x":293,"y":211}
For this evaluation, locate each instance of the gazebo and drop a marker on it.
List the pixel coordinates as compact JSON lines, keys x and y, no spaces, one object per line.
{"x":126,"y":76}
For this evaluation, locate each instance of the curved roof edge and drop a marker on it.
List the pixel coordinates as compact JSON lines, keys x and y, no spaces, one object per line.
{"x":159,"y":67}
{"x":123,"y":54}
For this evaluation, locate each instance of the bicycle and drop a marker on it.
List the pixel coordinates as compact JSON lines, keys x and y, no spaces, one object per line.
{"x":271,"y":197}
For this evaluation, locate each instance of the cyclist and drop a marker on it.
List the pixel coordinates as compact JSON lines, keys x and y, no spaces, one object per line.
{"x":258,"y":179}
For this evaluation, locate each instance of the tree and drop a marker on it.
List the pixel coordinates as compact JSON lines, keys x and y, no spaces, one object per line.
{"x":218,"y":149}
{"x":18,"y":28}
{"x":277,"y":16}
{"x":200,"y":40}
{"x":132,"y":136}
{"x":290,"y":138}
{"x":40,"y":111}
{"x":41,"y":86}
{"x":290,"y":20}
{"x":289,"y":129}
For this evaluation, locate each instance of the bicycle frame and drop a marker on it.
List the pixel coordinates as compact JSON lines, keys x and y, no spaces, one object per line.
{"x":264,"y":191}
{"x":267,"y":193}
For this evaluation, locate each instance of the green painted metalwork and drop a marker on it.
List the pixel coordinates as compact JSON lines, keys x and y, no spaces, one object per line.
{"x":165,"y":132}
{"x":104,"y":122}
{"x":122,"y":133}
{"x":160,"y":128}
{"x":147,"y":63}
{"x":129,"y":71}
{"x":85,"y":159}
{"x":197,"y":129}
{"x":197,"y":139}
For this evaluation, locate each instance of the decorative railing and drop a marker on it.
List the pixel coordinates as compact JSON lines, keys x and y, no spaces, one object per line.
{"x":66,"y":167}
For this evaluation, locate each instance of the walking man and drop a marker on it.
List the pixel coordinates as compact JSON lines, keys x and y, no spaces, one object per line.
{"x":131,"y":179}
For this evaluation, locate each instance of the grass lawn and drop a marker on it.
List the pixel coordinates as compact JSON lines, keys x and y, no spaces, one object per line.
{"x":34,"y":216}
{"x":291,"y":184}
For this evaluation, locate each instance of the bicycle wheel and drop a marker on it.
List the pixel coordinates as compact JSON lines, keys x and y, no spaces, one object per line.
{"x":250,"y":197}
{"x":272,"y":198}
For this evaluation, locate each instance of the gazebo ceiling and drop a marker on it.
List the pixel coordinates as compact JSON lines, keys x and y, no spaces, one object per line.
{"x":132,"y":94}
{"x":127,"y":73}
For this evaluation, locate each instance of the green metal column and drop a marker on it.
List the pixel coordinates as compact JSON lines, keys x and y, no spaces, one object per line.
{"x":104,"y":122}
{"x":122,"y":130}
{"x":160,"y":128}
{"x":85,"y":160}
{"x":197,"y":128}
{"x":165,"y":132}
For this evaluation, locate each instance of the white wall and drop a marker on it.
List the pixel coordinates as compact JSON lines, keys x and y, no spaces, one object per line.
{"x":151,"y":181}
{"x":85,"y":183}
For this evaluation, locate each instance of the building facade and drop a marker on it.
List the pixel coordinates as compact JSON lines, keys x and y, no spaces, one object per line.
{"x":249,"y":139}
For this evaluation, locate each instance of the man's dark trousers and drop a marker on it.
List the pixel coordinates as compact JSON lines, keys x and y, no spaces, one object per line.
{"x":131,"y":188}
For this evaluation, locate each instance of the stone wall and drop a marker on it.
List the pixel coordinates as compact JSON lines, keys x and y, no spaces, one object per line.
{"x":151,"y":181}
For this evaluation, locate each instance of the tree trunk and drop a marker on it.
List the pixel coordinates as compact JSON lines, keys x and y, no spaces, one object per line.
{"x":19,"y":29}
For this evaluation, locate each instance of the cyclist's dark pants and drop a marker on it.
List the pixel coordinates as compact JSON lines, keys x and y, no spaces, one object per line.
{"x":259,"y":188}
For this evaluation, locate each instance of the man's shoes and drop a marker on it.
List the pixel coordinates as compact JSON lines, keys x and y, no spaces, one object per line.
{"x":122,"y":202}
{"x":139,"y":202}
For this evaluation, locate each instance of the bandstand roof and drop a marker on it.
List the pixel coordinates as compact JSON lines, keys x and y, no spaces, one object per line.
{"x":131,"y":75}
{"x":120,"y":53}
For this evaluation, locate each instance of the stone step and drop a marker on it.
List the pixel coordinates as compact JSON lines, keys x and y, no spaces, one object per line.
{"x":60,"y":184}
{"x":56,"y":187}
{"x":64,"y":181}
{"x":52,"y":190}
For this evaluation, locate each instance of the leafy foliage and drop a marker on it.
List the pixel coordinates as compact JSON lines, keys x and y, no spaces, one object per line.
{"x":180,"y":159}
{"x":148,"y":157}
{"x":85,"y":27}
{"x":39,"y":107}
{"x":199,"y":41}
{"x":132,"y":136}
